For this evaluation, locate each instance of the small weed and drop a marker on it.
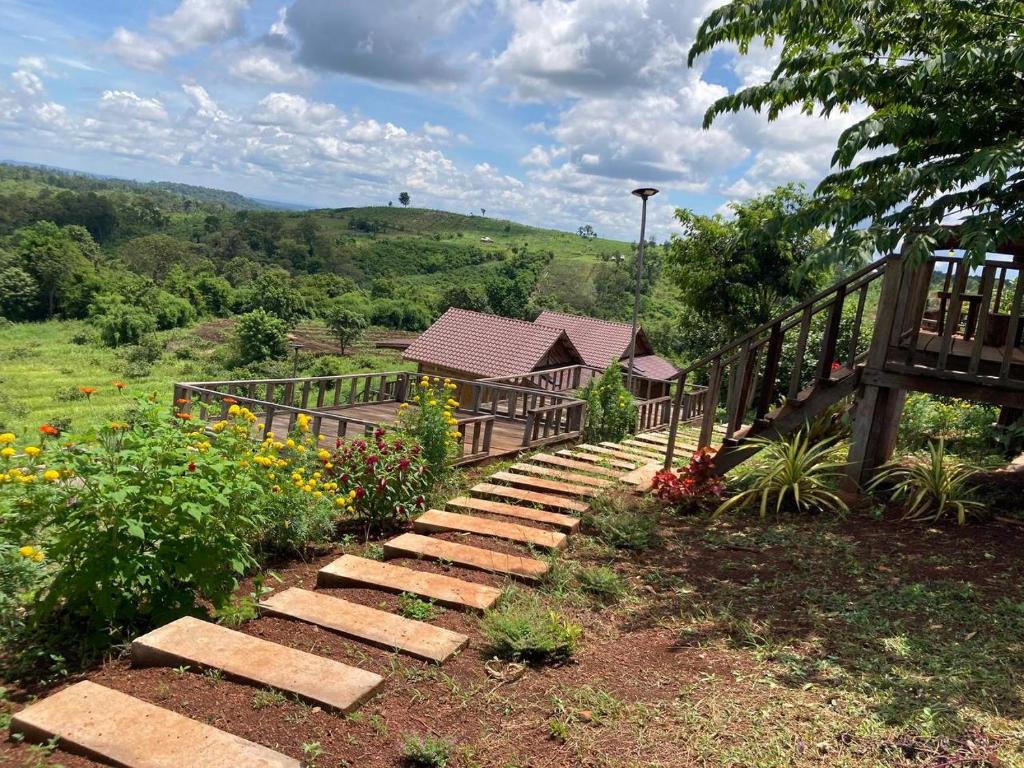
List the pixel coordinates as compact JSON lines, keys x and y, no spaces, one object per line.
{"x":312,"y":751}
{"x":624,"y":522}
{"x":603,"y":583}
{"x":426,"y":751}
{"x":374,"y":552}
{"x":412,"y":607}
{"x":267,"y":698}
{"x":379,"y":726}
{"x":182,"y":670}
{"x":213,"y":676}
{"x":558,"y":729}
{"x":522,"y":628}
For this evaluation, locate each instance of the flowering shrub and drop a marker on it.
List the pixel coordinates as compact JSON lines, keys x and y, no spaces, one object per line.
{"x":611,"y":414}
{"x":691,"y":487}
{"x":430,"y":420}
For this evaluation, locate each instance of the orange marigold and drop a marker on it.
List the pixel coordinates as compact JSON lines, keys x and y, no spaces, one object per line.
{"x":49,"y":430}
{"x":118,"y":385}
{"x":184,"y":416}
{"x":87,"y":391}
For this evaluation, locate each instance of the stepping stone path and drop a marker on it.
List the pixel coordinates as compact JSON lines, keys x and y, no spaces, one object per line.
{"x":428,"y":548}
{"x":436,"y":521}
{"x":197,"y":643}
{"x":567,"y":523}
{"x":113,"y":727}
{"x":352,"y":571}
{"x":546,"y":489}
{"x":369,"y":625}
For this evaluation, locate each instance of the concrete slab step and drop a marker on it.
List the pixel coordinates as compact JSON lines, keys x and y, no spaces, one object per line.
{"x":114,"y":728}
{"x":544,"y":484}
{"x":557,"y":460}
{"x":438,"y":521}
{"x":465,"y":556}
{"x":559,"y":474}
{"x":596,"y":458}
{"x":196,"y":643}
{"x":546,"y":500}
{"x":368,"y":625}
{"x":616,"y":453}
{"x":353,"y":571}
{"x":567,"y":523}
{"x":642,"y":478}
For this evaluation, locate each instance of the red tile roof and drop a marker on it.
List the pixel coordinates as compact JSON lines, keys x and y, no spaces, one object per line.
{"x":652,"y":367}
{"x":487,"y":345}
{"x":600,"y":342}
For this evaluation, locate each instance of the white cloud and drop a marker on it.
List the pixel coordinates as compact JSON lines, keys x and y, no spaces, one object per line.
{"x":27,"y":82}
{"x":128,"y":105}
{"x":264,"y":67}
{"x":436,"y":131}
{"x":138,"y":50}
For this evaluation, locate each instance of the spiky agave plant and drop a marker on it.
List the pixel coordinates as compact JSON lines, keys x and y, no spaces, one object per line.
{"x":794,"y":471}
{"x":931,"y":486}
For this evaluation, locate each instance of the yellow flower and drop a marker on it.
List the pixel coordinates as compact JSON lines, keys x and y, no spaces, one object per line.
{"x":26,"y":551}
{"x":302,"y":422}
{"x":32,"y":451}
{"x":300,"y":448}
{"x":339,"y":502}
{"x":219,"y":427}
{"x":234,"y":410}
{"x":403,"y":406}
{"x":51,"y":475}
{"x":4,"y":478}
{"x":317,"y":494}
{"x":7,"y":452}
{"x":432,"y":402}
{"x":323,"y":455}
{"x":6,"y":438}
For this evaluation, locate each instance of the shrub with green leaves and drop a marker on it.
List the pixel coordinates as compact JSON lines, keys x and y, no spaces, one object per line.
{"x":426,"y":751}
{"x":522,"y":628}
{"x":120,"y":322}
{"x":931,"y":487}
{"x":603,"y":583}
{"x":611,"y":413}
{"x":791,"y":473}
{"x":624,"y":521}
{"x":429,"y":419}
{"x":259,"y":336}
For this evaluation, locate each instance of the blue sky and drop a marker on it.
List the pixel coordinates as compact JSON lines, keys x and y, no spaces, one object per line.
{"x":544,"y":111}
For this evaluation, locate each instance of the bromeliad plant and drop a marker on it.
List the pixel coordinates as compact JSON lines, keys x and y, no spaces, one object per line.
{"x":931,"y":487}
{"x":791,"y":473}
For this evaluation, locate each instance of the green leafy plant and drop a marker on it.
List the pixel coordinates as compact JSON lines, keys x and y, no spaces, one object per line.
{"x":611,"y":413}
{"x":931,"y":487}
{"x":624,"y":521}
{"x":790,"y":473}
{"x":429,"y":418}
{"x":522,"y":628}
{"x":260,"y":335}
{"x":413,"y":607}
{"x":426,"y":751}
{"x":603,"y":583}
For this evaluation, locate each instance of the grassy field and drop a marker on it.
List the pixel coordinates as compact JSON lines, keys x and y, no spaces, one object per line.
{"x":44,"y":368}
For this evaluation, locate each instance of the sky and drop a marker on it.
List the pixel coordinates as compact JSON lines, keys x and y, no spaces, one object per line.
{"x":547,"y":112}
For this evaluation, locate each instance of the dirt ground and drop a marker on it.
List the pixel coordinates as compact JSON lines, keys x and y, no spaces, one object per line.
{"x":861,"y":642}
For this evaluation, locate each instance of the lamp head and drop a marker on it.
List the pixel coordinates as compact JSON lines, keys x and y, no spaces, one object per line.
{"x":645,"y":192}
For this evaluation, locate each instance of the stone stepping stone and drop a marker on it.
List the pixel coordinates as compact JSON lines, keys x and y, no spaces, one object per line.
{"x":596,"y":458}
{"x":616,"y":453}
{"x":546,"y":500}
{"x":558,"y":474}
{"x":582,"y":466}
{"x":352,"y":571}
{"x":543,"y":484}
{"x":465,"y":556}
{"x":567,"y":523}
{"x":117,"y":729}
{"x":190,"y":641}
{"x":436,"y":521}
{"x":643,"y":478}
{"x":368,"y":625}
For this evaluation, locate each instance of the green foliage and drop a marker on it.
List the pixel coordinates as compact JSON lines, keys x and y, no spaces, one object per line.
{"x":401,"y":314}
{"x":790,"y":473}
{"x":120,"y":322}
{"x":931,"y":487}
{"x":961,"y":425}
{"x":940,"y":139}
{"x":58,"y":260}
{"x":171,"y":311}
{"x":611,"y":411}
{"x":260,"y":336}
{"x":345,"y":324}
{"x":429,"y":419}
{"x":413,"y":607}
{"x":464,"y":296}
{"x":522,"y":628}
{"x":603,"y":582}
{"x":20,"y":574}
{"x":273,"y":293}
{"x":623,"y":521}
{"x":19,"y":293}
{"x":426,"y":751}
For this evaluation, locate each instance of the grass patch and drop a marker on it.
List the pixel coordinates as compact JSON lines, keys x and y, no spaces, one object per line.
{"x":426,"y":751}
{"x":412,"y":607}
{"x":602,"y":582}
{"x":522,"y":628}
{"x":623,"y":521}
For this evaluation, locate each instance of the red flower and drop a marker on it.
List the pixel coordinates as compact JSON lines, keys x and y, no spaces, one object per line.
{"x":403,"y":465}
{"x":399,"y":445}
{"x":192,"y":466}
{"x":230,"y":400}
{"x":371,"y":460}
{"x":87,"y":391}
{"x":49,"y":430}
{"x":182,"y":401}
{"x":378,"y":433}
{"x":337,"y":443}
{"x":421,"y":502}
{"x":836,"y":366}
{"x":118,"y":385}
{"x":360,"y":492}
{"x":344,"y":479}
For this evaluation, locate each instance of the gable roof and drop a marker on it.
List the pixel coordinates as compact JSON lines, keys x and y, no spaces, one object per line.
{"x":600,"y":342}
{"x":652,"y":367}
{"x":488,"y":345}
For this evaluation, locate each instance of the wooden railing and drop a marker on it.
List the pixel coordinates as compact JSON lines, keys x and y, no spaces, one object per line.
{"x":572,"y":377}
{"x":749,"y":377}
{"x":657,"y":413}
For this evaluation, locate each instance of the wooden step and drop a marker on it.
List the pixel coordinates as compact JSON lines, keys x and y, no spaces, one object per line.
{"x":594,"y":458}
{"x":465,"y":556}
{"x":616,"y":453}
{"x":438,"y":521}
{"x":352,"y":571}
{"x":558,"y":474}
{"x":682,"y":444}
{"x":545,"y":500}
{"x":582,"y":466}
{"x":368,"y":625}
{"x":543,"y":484}
{"x":647,"y":448}
{"x":117,"y":729}
{"x":196,"y":643}
{"x":567,"y":523}
{"x":644,"y":453}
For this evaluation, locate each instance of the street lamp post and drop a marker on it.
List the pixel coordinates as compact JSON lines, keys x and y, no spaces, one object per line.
{"x":644,"y":193}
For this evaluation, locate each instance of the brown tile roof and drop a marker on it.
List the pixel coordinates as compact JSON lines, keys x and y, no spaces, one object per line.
{"x":487,"y":345}
{"x":600,"y":342}
{"x":652,"y":367}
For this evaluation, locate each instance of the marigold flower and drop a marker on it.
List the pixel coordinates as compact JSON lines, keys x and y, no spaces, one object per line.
{"x":119,"y":425}
{"x":191,"y":466}
{"x":51,"y":475}
{"x":48,"y":430}
{"x":87,"y":391}
{"x":7,"y":438}
{"x":7,"y":452}
{"x":32,"y":451}
{"x":26,"y":551}
{"x":183,"y":416}
{"x":118,"y":385}
{"x":230,"y":400}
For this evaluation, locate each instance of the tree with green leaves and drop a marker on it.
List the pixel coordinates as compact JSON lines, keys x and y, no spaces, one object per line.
{"x":56,"y":258}
{"x":404,"y":199}
{"x":346,"y":325}
{"x":944,"y":135}
{"x":736,"y":273}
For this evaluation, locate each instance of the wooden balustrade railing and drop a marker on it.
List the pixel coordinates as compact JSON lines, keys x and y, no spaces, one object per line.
{"x":572,"y":377}
{"x":751,"y":375}
{"x":554,"y":423}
